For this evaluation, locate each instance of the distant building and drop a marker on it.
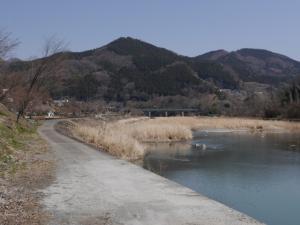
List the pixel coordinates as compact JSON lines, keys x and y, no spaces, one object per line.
{"x":259,"y":92}
{"x":6,"y":95}
{"x":10,"y":100}
{"x":50,"y":114}
{"x":61,"y":102}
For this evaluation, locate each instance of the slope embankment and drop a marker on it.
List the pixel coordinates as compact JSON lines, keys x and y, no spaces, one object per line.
{"x":25,"y":166}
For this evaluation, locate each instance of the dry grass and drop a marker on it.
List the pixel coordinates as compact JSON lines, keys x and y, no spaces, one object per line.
{"x":112,"y":139}
{"x":200,"y":123}
{"x":148,"y":132}
{"x":124,"y":138}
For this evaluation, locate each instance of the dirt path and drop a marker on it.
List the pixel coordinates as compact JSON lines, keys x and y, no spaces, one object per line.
{"x":92,"y":187}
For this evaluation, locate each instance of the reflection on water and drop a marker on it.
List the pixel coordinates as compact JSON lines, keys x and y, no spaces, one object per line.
{"x":258,"y":174}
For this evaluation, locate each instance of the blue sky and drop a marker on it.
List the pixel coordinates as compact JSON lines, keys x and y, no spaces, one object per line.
{"x":188,"y":27}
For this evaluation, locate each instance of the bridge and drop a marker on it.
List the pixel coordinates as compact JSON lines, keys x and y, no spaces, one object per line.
{"x":152,"y":112}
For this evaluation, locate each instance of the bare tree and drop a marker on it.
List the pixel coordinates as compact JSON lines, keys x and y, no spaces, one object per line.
{"x":7,"y":43}
{"x":8,"y":84}
{"x":38,"y":69}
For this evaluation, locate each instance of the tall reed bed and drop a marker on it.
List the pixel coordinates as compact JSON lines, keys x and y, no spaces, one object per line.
{"x":200,"y":123}
{"x":111,"y":139}
{"x":125,"y":138}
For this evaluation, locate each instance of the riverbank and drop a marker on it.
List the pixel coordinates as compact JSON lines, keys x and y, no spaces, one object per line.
{"x":125,"y":138}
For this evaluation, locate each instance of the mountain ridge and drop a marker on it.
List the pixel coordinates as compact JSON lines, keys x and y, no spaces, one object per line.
{"x":129,"y":70}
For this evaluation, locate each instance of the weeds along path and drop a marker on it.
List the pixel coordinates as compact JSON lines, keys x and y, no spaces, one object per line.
{"x":92,"y":187}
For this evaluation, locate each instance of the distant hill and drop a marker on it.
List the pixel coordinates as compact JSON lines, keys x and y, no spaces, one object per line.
{"x":256,"y":65}
{"x":130,"y":70}
{"x":213,"y":55}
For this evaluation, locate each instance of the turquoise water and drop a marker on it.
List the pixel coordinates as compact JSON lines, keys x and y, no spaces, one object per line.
{"x":258,"y":174}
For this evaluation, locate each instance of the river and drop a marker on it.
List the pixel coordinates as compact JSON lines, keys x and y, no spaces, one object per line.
{"x":258,"y":174}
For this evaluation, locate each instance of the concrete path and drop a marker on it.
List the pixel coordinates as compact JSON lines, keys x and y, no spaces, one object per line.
{"x":93,"y":188}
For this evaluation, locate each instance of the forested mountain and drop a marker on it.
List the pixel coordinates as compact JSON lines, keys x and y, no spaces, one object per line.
{"x":256,"y":65}
{"x":137,"y":73}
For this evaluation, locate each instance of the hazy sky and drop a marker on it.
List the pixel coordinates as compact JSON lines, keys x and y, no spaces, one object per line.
{"x":188,"y":27}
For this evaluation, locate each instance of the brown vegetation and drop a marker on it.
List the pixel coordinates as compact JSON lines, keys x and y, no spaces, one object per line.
{"x":125,"y":138}
{"x":112,"y":139}
{"x":200,"y":123}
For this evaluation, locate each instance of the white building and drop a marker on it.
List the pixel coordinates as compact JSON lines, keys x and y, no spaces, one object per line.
{"x":50,"y":114}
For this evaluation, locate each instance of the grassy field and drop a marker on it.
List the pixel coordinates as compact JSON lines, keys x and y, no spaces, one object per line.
{"x":125,"y":138}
